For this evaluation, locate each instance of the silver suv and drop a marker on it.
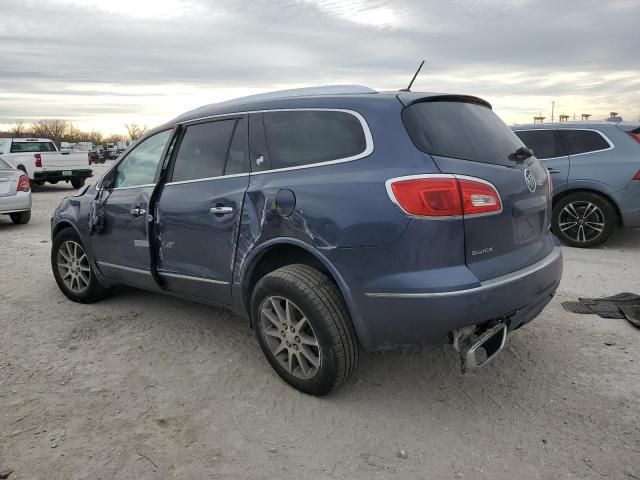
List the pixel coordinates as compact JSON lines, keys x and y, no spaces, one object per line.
{"x":595,"y":168}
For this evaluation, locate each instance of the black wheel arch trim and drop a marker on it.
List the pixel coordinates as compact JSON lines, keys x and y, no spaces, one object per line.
{"x":66,"y":223}
{"x":252,"y":260}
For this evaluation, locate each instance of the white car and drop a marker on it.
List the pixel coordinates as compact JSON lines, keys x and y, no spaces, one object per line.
{"x":41,"y":160}
{"x":15,"y":193}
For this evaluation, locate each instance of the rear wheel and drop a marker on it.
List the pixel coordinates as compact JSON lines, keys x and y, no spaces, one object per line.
{"x":72,"y":269}
{"x":77,"y":183}
{"x":584,"y":219}
{"x":21,"y":217}
{"x":304,"y":329}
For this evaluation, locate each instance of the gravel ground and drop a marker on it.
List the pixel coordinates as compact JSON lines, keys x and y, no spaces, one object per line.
{"x":146,"y":386}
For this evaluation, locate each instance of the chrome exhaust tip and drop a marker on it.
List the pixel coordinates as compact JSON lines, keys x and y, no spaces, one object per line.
{"x":488,"y":346}
{"x":476,"y":353}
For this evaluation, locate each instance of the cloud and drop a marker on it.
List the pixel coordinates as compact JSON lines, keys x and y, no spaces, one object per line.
{"x":79,"y":58}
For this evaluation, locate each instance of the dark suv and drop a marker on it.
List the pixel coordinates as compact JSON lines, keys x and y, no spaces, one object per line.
{"x":332,"y":218}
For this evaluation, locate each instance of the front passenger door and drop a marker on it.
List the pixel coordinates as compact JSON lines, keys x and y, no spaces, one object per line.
{"x":548,"y":147}
{"x":122,"y":247}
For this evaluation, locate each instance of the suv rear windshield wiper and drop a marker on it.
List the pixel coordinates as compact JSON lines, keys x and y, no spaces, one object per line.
{"x":521,"y":154}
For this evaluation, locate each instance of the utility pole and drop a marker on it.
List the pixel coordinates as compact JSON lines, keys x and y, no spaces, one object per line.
{"x":553,"y":106}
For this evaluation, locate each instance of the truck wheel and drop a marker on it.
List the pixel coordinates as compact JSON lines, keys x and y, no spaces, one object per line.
{"x":21,"y":217}
{"x":304,"y":329}
{"x":73,"y":271}
{"x":584,"y":219}
{"x":77,"y":183}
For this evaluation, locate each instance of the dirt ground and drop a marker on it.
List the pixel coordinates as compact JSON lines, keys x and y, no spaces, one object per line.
{"x":146,"y":386}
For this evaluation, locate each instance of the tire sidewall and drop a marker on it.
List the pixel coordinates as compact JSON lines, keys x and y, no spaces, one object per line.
{"x":94,"y":290}
{"x":326,"y":376}
{"x":610,"y":218}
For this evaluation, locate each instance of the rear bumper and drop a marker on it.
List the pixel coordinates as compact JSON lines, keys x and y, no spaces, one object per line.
{"x":393,"y":319}
{"x":57,"y":175}
{"x":19,"y":202}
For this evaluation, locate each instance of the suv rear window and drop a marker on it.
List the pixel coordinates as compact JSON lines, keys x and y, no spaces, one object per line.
{"x":583,"y":141}
{"x":544,"y":143}
{"x":460,"y":130}
{"x":303,"y":137}
{"x":17,"y":147}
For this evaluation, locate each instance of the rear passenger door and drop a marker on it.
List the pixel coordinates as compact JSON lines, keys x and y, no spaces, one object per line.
{"x":200,"y":207}
{"x":548,"y":147}
{"x":589,"y":154}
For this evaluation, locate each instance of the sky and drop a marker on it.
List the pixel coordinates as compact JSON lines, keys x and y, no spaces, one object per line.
{"x":104,"y":63}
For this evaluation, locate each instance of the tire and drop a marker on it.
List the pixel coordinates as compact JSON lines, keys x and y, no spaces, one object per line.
{"x":77,"y":183}
{"x":595,"y":219}
{"x":20,"y":217}
{"x":85,"y":277}
{"x":313,"y":297}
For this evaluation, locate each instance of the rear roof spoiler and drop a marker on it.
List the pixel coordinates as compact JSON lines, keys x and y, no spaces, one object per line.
{"x":410,"y":98}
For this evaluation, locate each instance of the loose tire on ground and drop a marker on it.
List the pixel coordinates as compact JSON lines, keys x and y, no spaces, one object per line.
{"x":320,"y":302}
{"x":584,"y":219}
{"x":20,"y":217}
{"x":77,"y":260}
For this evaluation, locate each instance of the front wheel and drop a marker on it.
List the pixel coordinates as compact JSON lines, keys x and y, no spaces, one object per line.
{"x":72,"y":269}
{"x":77,"y":183}
{"x":584,"y":219}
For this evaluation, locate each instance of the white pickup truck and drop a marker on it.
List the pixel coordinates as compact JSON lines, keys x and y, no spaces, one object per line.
{"x":41,"y":160}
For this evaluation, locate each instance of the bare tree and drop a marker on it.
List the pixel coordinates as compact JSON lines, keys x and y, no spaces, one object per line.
{"x":53,"y":129}
{"x":114,"y":138}
{"x":135,"y":131}
{"x":94,"y":137}
{"x":18,"y":129}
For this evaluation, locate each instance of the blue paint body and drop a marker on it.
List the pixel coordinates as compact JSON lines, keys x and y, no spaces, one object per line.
{"x":405,"y":280}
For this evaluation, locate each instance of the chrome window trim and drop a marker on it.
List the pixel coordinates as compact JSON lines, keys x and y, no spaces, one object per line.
{"x":393,"y":198}
{"x":606,"y":138}
{"x":369,"y":147}
{"x":484,"y":286}
{"x":219,"y":177}
{"x":189,"y":277}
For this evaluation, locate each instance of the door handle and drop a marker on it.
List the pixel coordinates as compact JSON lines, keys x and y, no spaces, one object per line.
{"x":221,"y":210}
{"x":137,"y":212}
{"x":554,"y":170}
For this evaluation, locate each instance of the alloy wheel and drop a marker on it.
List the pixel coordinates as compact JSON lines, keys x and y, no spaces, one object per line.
{"x":290,"y":337}
{"x":73,"y":266}
{"x":581,"y":221}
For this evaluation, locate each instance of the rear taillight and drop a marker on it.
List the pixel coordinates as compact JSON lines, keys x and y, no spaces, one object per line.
{"x":637,"y":176}
{"x":89,"y":157}
{"x":38,"y":158}
{"x":444,"y":195}
{"x":635,"y":136}
{"x":23,"y":184}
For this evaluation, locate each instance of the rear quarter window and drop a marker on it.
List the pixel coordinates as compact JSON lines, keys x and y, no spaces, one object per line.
{"x":296,"y":138}
{"x":462,"y":130}
{"x":583,"y":141}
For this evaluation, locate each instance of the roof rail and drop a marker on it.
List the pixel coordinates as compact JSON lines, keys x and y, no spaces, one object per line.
{"x":301,"y":92}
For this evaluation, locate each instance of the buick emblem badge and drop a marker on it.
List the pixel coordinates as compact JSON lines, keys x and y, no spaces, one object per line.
{"x":530,"y":180}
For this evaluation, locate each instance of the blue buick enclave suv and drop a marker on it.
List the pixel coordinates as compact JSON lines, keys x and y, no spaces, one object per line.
{"x":334,"y":219}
